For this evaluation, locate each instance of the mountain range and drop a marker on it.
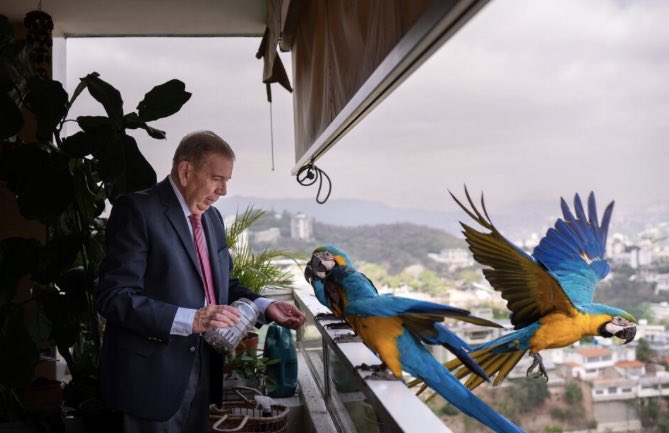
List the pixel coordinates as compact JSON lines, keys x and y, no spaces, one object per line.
{"x":519,"y":221}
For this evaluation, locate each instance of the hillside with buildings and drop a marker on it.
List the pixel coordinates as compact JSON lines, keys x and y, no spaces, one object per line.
{"x":595,"y":386}
{"x":394,"y":246}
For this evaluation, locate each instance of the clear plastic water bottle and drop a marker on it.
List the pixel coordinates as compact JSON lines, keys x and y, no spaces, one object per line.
{"x":226,"y":339}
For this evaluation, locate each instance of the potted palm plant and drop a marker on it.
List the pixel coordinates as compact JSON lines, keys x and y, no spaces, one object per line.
{"x":256,"y":271}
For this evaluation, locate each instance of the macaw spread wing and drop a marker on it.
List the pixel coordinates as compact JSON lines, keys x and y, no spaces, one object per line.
{"x":530,"y":291}
{"x":574,"y":250}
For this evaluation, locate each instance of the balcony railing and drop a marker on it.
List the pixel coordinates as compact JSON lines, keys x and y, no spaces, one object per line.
{"x":338,"y":397}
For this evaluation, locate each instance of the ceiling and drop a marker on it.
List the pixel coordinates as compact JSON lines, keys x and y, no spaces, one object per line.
{"x":73,"y":18}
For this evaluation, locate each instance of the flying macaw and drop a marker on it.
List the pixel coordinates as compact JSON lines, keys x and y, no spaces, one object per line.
{"x":394,"y":328}
{"x":549,"y":293}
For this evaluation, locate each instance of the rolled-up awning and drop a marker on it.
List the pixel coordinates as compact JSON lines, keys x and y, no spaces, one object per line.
{"x":349,"y":55}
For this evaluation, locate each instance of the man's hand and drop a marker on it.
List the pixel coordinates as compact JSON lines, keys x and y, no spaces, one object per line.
{"x":285,"y":314}
{"x":214,"y":316}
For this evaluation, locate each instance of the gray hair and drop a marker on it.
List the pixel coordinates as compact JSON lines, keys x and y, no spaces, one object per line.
{"x":195,"y":146}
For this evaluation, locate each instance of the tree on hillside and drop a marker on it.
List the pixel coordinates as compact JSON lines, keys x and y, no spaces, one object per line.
{"x":632,"y":296}
{"x":529,"y":392}
{"x":376,"y":273}
{"x":573,"y":393}
{"x":643,"y":351}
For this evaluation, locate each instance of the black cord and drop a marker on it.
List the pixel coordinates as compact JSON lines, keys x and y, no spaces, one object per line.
{"x":271,"y":132}
{"x":308,"y":175}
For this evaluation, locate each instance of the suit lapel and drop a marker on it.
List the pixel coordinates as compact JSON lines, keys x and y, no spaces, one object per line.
{"x":176,"y":217}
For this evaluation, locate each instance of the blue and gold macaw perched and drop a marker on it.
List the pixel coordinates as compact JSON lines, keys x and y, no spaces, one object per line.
{"x":549,"y":293}
{"x":394,"y":328}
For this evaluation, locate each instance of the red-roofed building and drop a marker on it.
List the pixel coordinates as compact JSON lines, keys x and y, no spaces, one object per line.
{"x":592,"y":361}
{"x":593,"y":352}
{"x":631,"y":369}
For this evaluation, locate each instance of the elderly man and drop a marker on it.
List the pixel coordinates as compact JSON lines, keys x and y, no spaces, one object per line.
{"x":166,"y":279}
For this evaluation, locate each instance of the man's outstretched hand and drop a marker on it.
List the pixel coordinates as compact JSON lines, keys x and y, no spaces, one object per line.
{"x":285,"y":314}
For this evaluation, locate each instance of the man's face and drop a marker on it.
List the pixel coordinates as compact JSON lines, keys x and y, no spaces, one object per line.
{"x":202,"y":185}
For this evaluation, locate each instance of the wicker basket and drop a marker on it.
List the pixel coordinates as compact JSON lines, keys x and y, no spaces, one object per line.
{"x":244,"y":416}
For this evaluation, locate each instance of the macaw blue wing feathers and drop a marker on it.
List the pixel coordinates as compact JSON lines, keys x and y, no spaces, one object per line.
{"x":319,"y":291}
{"x":574,"y":250}
{"x":389,"y":305}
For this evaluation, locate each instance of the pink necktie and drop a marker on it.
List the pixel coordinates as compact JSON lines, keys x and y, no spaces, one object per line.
{"x":203,"y":257}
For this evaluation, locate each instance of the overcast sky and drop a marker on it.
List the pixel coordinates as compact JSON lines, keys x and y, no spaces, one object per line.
{"x":531,"y":100}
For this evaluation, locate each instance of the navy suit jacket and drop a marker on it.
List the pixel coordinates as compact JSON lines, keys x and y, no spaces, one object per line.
{"x":149,"y":271}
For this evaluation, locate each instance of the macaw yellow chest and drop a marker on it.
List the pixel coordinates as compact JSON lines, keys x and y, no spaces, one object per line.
{"x":560,"y":330}
{"x":380,"y":334}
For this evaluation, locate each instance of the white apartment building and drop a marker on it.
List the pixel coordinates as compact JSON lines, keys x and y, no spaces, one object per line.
{"x":301,"y":227}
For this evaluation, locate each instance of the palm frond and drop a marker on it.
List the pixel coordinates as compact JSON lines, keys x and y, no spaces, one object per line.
{"x":243,"y":222}
{"x":256,"y":271}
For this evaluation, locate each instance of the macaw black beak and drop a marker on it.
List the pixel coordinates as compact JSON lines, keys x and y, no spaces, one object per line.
{"x":309,"y":273}
{"x":627,"y":334}
{"x":317,"y":263}
{"x":317,"y":267}
{"x":619,"y":327}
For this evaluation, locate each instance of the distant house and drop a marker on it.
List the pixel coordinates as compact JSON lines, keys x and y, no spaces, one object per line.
{"x":454,"y":258}
{"x":656,"y":335}
{"x":630,"y":369}
{"x":611,"y":398}
{"x":660,"y":310}
{"x":661,"y":255}
{"x":613,"y":388}
{"x":654,"y":386}
{"x":661,"y":283}
{"x":591,"y":361}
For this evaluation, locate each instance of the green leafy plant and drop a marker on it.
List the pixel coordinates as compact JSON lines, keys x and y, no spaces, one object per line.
{"x":255,"y":270}
{"x":63,"y":182}
{"x":245,"y":364}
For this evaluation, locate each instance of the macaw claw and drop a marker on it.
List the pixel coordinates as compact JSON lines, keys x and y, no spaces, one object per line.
{"x":537,"y":362}
{"x":325,"y":316}
{"x":381,"y":375}
{"x":379,"y":371}
{"x":374,"y":367}
{"x":338,"y":325}
{"x":347,"y":338}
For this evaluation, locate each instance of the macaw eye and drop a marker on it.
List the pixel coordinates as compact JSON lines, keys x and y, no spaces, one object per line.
{"x":620,"y":321}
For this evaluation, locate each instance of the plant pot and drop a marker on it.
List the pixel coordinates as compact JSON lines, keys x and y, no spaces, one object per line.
{"x":248,"y":344}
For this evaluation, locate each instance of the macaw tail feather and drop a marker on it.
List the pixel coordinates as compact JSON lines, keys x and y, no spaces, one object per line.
{"x":493,"y":363}
{"x":440,"y":380}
